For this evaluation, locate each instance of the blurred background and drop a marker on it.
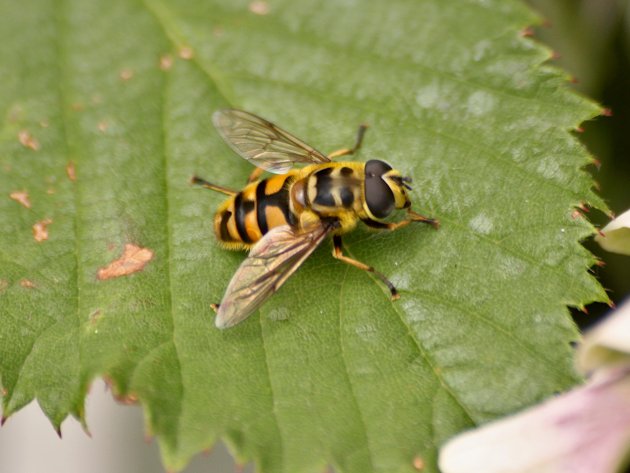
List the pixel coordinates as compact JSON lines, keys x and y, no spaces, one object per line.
{"x":592,"y":40}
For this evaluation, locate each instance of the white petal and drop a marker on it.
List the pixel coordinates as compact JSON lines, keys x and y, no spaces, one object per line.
{"x":616,"y":235}
{"x":608,"y":343}
{"x":583,"y":431}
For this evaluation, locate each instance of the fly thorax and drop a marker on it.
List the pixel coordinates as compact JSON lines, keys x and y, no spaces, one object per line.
{"x":333,"y":187}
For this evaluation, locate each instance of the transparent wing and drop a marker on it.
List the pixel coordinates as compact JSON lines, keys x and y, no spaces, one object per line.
{"x":263,"y":143}
{"x":269,"y":264}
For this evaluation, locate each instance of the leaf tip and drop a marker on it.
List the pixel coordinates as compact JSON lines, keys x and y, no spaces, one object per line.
{"x":527,"y":32}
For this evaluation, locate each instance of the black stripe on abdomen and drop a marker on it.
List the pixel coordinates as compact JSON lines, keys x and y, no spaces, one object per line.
{"x":278,"y":199}
{"x":241,"y":209}
{"x":223,"y":226}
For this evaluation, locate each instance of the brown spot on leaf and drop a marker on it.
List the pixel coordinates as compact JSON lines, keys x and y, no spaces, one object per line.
{"x":133,"y":259}
{"x":21,"y":197}
{"x":166,"y":62}
{"x":95,"y":316}
{"x":71,"y":171}
{"x":186,"y":52}
{"x":4,"y":284}
{"x":27,"y":140}
{"x":102,"y":126}
{"x":40,"y":230}
{"x":126,"y":74}
{"x":27,"y":283}
{"x":418,"y":463}
{"x":259,"y":7}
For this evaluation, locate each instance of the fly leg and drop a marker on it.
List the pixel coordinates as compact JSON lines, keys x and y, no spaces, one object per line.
{"x":355,"y":148}
{"x":338,"y":253}
{"x":202,"y":182}
{"x":255,"y":175}
{"x":412,"y":217}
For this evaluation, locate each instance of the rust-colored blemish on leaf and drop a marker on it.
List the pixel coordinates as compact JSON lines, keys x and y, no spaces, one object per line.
{"x":95,"y":316}
{"x":27,"y":283}
{"x":4,"y":284}
{"x":418,"y":463}
{"x":217,"y":31}
{"x":186,"y":52}
{"x":259,"y":7}
{"x":133,"y":259}
{"x":27,"y":140}
{"x":166,"y":62}
{"x":40,"y":230}
{"x":102,"y":126}
{"x":71,"y":171}
{"x":126,"y":74}
{"x":21,"y":197}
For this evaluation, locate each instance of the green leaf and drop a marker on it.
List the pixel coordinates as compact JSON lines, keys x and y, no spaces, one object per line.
{"x":330,"y":371}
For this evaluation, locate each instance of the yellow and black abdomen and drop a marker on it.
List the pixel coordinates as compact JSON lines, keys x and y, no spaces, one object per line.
{"x":243,"y":219}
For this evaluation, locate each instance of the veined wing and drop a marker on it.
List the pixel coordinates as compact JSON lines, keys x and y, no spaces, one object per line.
{"x":262,"y":143}
{"x":269,"y":264}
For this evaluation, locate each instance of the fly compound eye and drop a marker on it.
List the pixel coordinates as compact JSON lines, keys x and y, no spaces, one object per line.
{"x":378,"y":195}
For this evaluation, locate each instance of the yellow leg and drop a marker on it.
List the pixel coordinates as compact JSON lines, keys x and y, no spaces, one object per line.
{"x":202,"y":182}
{"x":413,"y":217}
{"x":255,"y":175}
{"x":357,"y":145}
{"x":338,"y":254}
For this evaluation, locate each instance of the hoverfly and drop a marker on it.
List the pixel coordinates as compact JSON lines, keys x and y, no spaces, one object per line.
{"x":284,"y":218}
